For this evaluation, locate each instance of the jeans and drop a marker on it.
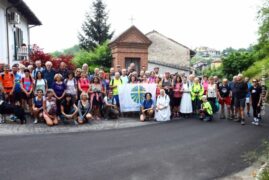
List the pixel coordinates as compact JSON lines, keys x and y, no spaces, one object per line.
{"x":116,"y":98}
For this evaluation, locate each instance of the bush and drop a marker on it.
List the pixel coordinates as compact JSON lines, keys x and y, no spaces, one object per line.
{"x":255,"y":71}
{"x":214,"y":72}
{"x":38,"y":54}
{"x":100,"y":56}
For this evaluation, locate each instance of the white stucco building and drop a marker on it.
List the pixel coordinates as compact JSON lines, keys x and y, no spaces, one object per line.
{"x":16,"y":19}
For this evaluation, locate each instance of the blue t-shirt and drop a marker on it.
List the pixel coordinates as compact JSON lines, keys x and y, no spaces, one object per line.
{"x":147,"y":104}
{"x":38,"y":103}
{"x":17,"y":83}
{"x":249,"y":87}
{"x":58,"y":88}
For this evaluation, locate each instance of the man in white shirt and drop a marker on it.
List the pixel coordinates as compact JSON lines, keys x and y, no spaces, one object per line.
{"x":124,"y":76}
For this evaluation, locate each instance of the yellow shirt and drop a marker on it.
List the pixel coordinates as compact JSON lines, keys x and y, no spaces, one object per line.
{"x":115,"y":82}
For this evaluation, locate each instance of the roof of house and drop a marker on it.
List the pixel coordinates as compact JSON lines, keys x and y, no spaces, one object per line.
{"x":132,"y":28}
{"x":217,"y":61}
{"x":175,"y":66}
{"x":22,"y":7}
{"x":192,"y":53}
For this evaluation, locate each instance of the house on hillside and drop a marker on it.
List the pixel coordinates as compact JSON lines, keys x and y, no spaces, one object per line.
{"x":168,"y":54}
{"x":204,"y":51}
{"x":200,"y":66}
{"x":216,"y":63}
{"x":150,"y":50}
{"x":16,"y":19}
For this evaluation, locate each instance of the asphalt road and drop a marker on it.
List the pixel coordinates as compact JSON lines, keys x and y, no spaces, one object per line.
{"x":185,"y":149}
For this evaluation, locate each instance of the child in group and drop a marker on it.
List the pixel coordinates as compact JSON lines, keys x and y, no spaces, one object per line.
{"x":147,"y":110}
{"x":206,"y":112}
{"x":38,"y":105}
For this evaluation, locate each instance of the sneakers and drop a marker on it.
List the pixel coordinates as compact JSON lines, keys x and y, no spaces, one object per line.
{"x":236,"y":119}
{"x":256,"y":122}
{"x":2,"y":121}
{"x":248,"y":114}
{"x":35,"y":121}
{"x":242,"y":122}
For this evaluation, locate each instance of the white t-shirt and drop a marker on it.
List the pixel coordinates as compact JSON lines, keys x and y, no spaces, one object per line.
{"x":40,"y":84}
{"x":109,"y":101}
{"x":71,"y":87}
{"x":124,"y":79}
{"x":211,"y":91}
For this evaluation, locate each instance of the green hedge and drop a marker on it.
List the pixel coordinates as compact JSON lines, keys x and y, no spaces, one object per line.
{"x":255,"y":71}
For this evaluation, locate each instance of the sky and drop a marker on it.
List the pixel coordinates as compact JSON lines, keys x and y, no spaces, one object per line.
{"x":214,"y":23}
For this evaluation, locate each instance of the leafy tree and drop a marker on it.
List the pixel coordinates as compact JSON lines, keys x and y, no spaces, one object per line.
{"x":95,"y":28}
{"x":38,"y":54}
{"x":100,"y":56}
{"x":236,"y":62}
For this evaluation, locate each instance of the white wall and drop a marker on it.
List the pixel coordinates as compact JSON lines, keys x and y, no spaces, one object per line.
{"x":3,"y":35}
{"x":164,"y":69}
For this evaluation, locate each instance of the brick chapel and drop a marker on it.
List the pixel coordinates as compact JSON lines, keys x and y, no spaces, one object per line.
{"x":150,"y":50}
{"x":130,"y":47}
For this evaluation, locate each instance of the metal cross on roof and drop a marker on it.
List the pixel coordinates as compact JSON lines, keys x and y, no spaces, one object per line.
{"x":132,"y":20}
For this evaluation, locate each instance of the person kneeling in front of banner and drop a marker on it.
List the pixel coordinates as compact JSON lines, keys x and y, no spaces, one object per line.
{"x":163,"y":111}
{"x":110,"y":109}
{"x":206,"y":111}
{"x":147,"y":110}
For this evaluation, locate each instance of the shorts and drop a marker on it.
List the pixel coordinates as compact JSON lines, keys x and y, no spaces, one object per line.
{"x":72,"y":110}
{"x":226,"y":100}
{"x":240,"y":103}
{"x":176,"y":101}
{"x":247,"y":100}
{"x":149,"y":113}
{"x":25,"y":97}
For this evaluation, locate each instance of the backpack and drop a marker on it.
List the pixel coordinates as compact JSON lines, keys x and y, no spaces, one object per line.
{"x":75,"y":82}
{"x":113,"y":81}
{"x":3,"y":75}
{"x":31,"y":80}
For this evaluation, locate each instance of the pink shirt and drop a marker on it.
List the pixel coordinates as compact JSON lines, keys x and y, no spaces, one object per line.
{"x":151,"y":80}
{"x":205,"y":85}
{"x":177,"y":88}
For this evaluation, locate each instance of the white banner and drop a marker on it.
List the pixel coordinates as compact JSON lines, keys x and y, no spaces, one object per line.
{"x":132,"y":96}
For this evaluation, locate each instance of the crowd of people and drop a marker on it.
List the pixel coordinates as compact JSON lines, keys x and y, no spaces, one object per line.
{"x":60,"y":95}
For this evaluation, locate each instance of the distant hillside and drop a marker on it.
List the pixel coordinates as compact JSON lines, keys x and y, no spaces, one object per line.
{"x":69,"y":51}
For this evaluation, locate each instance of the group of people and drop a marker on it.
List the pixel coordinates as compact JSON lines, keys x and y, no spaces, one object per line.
{"x":78,"y":97}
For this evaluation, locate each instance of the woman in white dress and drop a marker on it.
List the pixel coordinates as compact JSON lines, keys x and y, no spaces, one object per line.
{"x":186,"y":103}
{"x":163,"y":111}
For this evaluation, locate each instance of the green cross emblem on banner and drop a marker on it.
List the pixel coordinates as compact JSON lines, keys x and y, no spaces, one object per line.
{"x":138,"y":93}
